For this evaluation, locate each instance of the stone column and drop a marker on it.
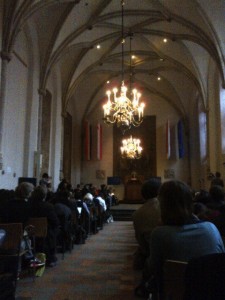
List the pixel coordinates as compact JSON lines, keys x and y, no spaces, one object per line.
{"x":6,"y":57}
{"x":42,"y":93}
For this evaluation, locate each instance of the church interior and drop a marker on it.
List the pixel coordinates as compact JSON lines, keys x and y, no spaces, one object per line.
{"x":58,"y":60}
{"x":60,"y":114}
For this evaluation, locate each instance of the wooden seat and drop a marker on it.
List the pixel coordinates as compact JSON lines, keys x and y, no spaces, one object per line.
{"x":10,"y":253}
{"x":38,"y":235}
{"x":13,"y":238}
{"x":205,"y":278}
{"x":174,"y":280}
{"x":40,"y":225}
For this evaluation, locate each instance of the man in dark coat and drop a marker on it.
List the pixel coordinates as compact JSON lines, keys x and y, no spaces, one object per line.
{"x":40,"y":208}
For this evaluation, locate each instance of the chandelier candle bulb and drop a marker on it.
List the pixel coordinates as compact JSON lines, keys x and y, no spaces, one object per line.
{"x":131,"y":148}
{"x":121,"y":110}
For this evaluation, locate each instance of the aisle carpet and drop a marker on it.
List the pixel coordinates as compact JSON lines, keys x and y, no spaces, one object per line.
{"x":99,"y":269}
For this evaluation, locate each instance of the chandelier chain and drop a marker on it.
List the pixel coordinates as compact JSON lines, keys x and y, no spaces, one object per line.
{"x":121,"y":109}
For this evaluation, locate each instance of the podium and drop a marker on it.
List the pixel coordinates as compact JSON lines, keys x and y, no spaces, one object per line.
{"x":133,"y":187}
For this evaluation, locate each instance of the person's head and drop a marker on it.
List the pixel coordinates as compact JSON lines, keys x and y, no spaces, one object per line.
{"x":202,"y":197}
{"x":62,"y":196}
{"x":150,"y":188}
{"x":216,"y":193}
{"x":78,"y":195}
{"x":200,"y":210}
{"x":88,"y":197}
{"x":218,"y":175}
{"x":39,"y":193}
{"x":176,"y":202}
{"x":24,"y":190}
{"x":45,"y":176}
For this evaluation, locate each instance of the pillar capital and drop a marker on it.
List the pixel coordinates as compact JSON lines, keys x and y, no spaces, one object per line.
{"x":5,"y":55}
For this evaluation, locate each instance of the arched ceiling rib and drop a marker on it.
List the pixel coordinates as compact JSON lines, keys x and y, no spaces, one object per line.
{"x":68,"y":32}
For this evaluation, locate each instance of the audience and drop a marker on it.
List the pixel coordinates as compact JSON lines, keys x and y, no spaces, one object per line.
{"x":173,"y":226}
{"x":181,"y":237}
{"x":27,"y":201}
{"x":145,"y":219}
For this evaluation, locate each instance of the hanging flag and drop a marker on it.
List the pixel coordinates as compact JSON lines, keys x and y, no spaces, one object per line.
{"x":87,"y":141}
{"x":99,"y":141}
{"x":168,"y":145}
{"x":180,"y":135}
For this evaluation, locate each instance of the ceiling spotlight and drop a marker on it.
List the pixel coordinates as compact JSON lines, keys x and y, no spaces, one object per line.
{"x":108,"y":82}
{"x":133,"y":56}
{"x":158,"y":78}
{"x":165,"y":40}
{"x":98,"y":46}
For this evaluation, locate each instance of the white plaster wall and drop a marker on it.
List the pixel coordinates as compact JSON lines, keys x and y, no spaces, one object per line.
{"x":21,"y":112}
{"x":14,"y":123}
{"x":1,"y":27}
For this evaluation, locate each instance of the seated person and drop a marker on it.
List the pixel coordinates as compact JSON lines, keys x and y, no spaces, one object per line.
{"x":217,"y":180}
{"x":64,"y":215}
{"x":216,"y":208}
{"x":99,"y":200}
{"x":88,"y":199}
{"x":41,"y":208}
{"x":81,"y":204}
{"x":216,"y":197}
{"x":145,"y":219}
{"x":83,"y":212}
{"x":45,"y":180}
{"x":64,"y":198}
{"x":17,"y":208}
{"x":182,"y":236}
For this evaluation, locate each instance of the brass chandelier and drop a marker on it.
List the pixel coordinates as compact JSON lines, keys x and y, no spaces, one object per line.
{"x":131,"y":148}
{"x":120,"y":109}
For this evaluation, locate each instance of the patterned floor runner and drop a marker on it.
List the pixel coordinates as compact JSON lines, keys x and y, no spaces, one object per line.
{"x":100,"y":269}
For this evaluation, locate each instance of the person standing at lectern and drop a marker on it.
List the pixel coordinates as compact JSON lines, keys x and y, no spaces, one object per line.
{"x":145,"y":219}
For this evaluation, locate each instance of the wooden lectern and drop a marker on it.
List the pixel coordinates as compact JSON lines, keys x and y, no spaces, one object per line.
{"x":133,"y":185}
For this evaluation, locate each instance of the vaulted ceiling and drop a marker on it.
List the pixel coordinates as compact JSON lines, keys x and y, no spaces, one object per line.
{"x":68,"y":33}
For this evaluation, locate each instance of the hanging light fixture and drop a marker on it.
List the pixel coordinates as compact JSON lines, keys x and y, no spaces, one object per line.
{"x":131,"y":148}
{"x":120,"y":109}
